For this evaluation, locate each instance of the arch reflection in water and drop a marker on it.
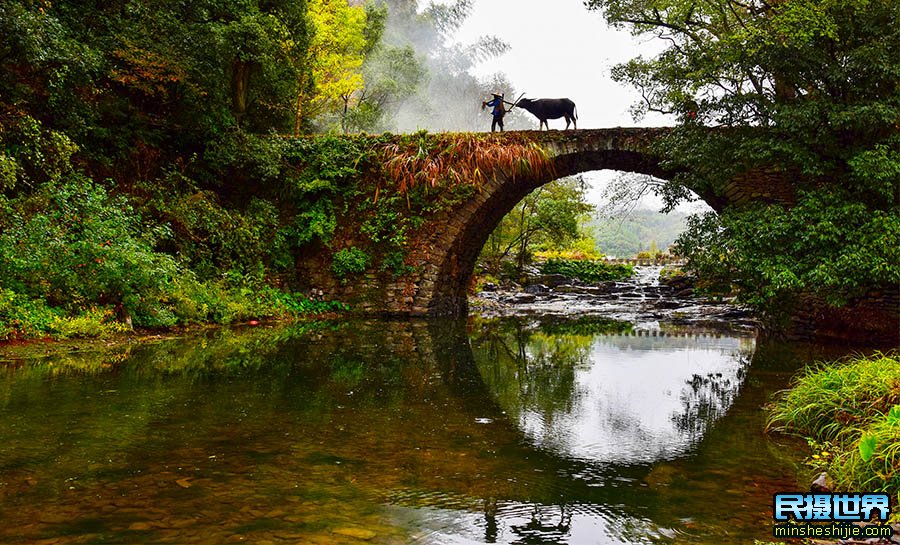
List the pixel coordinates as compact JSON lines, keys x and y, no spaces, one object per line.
{"x":395,"y":430}
{"x":612,"y":397}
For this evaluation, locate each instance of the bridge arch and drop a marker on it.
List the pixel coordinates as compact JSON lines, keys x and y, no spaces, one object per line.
{"x":443,"y":249}
{"x":455,"y":250}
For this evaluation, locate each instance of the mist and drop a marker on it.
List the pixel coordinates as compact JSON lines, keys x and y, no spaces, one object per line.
{"x":448,"y":97}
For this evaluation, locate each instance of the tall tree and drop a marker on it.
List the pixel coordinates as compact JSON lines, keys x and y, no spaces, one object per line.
{"x":392,"y":73}
{"x":126,"y":74}
{"x":811,"y":89}
{"x":449,"y":96}
{"x":336,"y":54}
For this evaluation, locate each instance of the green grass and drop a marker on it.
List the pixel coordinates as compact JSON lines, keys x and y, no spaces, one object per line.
{"x":849,"y":412}
{"x":23,"y":317}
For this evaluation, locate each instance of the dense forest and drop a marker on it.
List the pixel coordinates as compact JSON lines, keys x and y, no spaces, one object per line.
{"x":126,"y":127}
{"x":146,"y":178}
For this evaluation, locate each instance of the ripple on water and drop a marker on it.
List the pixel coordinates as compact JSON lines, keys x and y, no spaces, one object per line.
{"x":392,"y":432}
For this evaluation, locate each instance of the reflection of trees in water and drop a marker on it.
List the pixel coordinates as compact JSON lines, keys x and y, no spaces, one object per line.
{"x":531,"y":370}
{"x":707,"y":399}
{"x":546,"y":524}
{"x":586,"y":393}
{"x":544,"y":527}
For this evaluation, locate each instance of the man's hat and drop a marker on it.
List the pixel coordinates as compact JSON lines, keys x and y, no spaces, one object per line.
{"x":498,"y":95}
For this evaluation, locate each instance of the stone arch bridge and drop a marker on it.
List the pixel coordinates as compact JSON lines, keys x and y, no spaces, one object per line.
{"x":443,"y":247}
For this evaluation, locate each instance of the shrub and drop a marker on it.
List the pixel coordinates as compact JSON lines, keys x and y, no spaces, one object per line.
{"x":350,"y":261}
{"x":580,"y":253}
{"x":74,"y":245}
{"x":75,"y":258}
{"x":22,"y":316}
{"x":587,"y":270}
{"x":90,"y":323}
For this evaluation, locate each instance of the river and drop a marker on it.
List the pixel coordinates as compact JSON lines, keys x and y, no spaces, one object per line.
{"x":517,"y":430}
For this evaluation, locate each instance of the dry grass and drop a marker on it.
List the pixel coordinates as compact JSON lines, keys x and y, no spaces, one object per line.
{"x":456,"y":159}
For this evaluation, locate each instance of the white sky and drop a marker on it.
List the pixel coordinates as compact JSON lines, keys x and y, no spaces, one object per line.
{"x":560,"y":49}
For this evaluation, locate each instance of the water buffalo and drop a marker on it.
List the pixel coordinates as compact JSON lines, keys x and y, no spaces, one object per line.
{"x":550,"y":108}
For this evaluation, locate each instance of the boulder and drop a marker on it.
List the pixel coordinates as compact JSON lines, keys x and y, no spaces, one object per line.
{"x":550,"y":280}
{"x":521,"y":298}
{"x":678,"y":282}
{"x":669,"y":305}
{"x":537,"y":289}
{"x":567,"y":288}
{"x":822,"y":484}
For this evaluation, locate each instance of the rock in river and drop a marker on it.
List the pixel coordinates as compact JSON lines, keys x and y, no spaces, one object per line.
{"x":521,"y":298}
{"x":822,"y":484}
{"x":358,"y":533}
{"x":536,"y":289}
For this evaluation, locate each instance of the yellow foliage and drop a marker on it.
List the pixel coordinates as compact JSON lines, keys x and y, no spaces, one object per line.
{"x":336,"y":53}
{"x":582,"y":250}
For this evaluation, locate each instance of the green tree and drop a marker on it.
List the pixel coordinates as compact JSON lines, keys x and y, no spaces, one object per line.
{"x":548,"y":218}
{"x":336,"y":54}
{"x":810,"y":89}
{"x":128,"y":79}
{"x":392,"y":75}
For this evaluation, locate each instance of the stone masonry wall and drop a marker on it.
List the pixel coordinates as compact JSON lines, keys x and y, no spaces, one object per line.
{"x":442,"y":252}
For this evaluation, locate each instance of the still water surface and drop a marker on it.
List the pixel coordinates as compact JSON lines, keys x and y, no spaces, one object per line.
{"x":388,"y":432}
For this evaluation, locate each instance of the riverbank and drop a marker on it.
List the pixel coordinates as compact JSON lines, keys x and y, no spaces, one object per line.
{"x":28,"y":320}
{"x":849,"y":413}
{"x":18,"y":350}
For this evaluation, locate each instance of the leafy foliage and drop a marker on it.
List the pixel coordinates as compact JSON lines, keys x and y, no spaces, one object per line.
{"x":587,"y":270}
{"x":74,"y":244}
{"x":350,"y":261}
{"x":456,"y":159}
{"x":83,"y":259}
{"x":392,"y":74}
{"x":550,"y":218}
{"x":827,"y":244}
{"x":166,"y":76}
{"x":810,"y":89}
{"x":336,"y":54}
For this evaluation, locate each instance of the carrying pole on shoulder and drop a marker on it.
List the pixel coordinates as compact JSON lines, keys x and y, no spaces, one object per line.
{"x":514,"y":104}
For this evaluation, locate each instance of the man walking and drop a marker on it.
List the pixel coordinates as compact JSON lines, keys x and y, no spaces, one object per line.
{"x":499,"y":110}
